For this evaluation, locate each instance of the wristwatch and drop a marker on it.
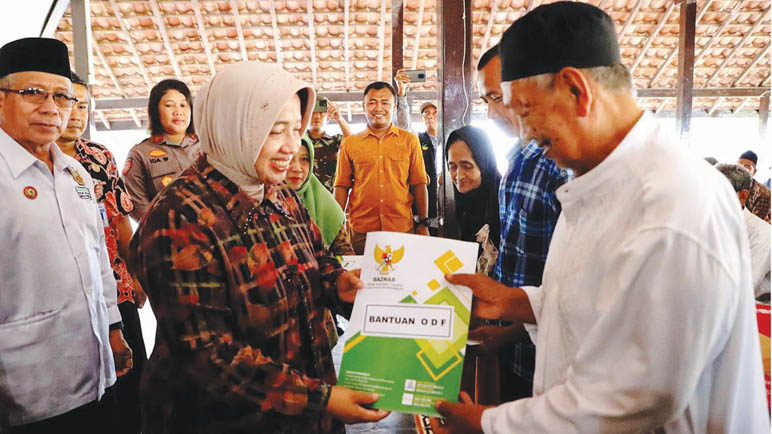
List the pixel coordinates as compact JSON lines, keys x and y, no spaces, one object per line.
{"x":424,"y":222}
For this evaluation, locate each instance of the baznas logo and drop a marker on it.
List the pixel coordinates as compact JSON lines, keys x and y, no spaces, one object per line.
{"x":387,"y":259}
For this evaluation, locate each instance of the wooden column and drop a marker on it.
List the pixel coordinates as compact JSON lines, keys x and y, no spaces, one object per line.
{"x":685,"y":68}
{"x":764,"y":117}
{"x":454,"y":63}
{"x":397,"y":35}
{"x":81,"y":43}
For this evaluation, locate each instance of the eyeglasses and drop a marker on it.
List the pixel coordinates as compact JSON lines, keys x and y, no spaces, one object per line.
{"x":34,"y":95}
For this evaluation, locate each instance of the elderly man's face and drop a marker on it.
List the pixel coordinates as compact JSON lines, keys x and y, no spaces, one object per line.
{"x":489,"y":84}
{"x":34,"y":124}
{"x":748,"y":164}
{"x":547,"y":117}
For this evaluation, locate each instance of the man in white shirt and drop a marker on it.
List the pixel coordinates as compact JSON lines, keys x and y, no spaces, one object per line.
{"x":758,"y":230}
{"x":645,"y":320}
{"x":58,"y":295}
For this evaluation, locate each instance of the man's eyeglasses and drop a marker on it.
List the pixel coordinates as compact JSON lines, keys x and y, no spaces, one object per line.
{"x":34,"y":95}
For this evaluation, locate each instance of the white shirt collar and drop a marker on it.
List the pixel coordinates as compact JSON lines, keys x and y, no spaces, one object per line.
{"x":19,"y":159}
{"x":592,"y":182}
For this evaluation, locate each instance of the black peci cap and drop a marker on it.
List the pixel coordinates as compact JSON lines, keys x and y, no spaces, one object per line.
{"x":35,"y":54}
{"x":557,"y":35}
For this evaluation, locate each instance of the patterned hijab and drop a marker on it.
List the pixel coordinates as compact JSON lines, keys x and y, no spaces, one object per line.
{"x":322,"y":207}
{"x":235,"y":111}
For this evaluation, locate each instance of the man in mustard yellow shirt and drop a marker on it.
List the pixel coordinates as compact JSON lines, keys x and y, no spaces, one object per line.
{"x":380,"y":173}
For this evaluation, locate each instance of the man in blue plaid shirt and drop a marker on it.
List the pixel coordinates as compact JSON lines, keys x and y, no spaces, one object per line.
{"x":529,"y":210}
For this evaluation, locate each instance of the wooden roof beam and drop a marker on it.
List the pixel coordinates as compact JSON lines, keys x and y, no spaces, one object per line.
{"x":382,"y":37}
{"x":672,"y":54}
{"x":685,"y":85}
{"x":719,"y":31}
{"x":276,"y":34}
{"x":239,"y":30}
{"x":202,"y":35}
{"x":630,"y":18}
{"x":346,"y":54}
{"x":312,"y":39}
{"x":419,"y":30}
{"x":136,"y":118}
{"x":652,"y":36}
{"x":102,"y":118}
{"x":397,"y":36}
{"x":109,"y":70}
{"x":753,"y":63}
{"x":159,"y":22}
{"x":488,"y":28}
{"x":737,"y":47}
{"x":132,"y":47}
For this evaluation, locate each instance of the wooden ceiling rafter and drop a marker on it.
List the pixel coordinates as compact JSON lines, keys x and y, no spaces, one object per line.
{"x":102,"y":118}
{"x":132,"y":48}
{"x":113,"y":78}
{"x":674,"y":50}
{"x":630,"y":18}
{"x":276,"y":34}
{"x":202,"y":35}
{"x":739,"y":46}
{"x":160,"y":23}
{"x":719,"y":31}
{"x":312,"y":40}
{"x":762,"y":54}
{"x":382,"y":37}
{"x":418,"y":32}
{"x":488,"y":27}
{"x":652,"y":37}
{"x":239,"y":30}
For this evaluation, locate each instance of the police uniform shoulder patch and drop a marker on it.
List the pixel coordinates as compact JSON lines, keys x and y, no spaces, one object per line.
{"x":157,"y":153}
{"x":127,"y":166}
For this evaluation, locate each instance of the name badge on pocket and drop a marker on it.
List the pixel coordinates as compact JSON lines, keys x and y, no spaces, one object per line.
{"x":83,"y":192}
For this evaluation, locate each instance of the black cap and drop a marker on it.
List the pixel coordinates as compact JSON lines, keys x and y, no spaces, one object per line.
{"x":557,"y":35}
{"x":35,"y":54}
{"x":750,"y":156}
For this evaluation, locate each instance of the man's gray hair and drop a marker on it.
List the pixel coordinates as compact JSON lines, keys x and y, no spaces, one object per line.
{"x":737,"y":175}
{"x":613,"y":78}
{"x":7,"y":81}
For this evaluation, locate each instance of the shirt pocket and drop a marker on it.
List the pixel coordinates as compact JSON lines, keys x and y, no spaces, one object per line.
{"x":398,"y":159}
{"x":162,"y":174}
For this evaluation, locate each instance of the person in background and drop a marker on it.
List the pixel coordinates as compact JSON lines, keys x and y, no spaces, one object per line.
{"x":476,"y":179}
{"x":326,"y":146}
{"x":239,"y":277}
{"x":430,"y":145}
{"x":61,"y":343}
{"x":645,"y":319}
{"x":758,"y":229}
{"x":114,"y":207}
{"x":321,"y":205}
{"x":759,"y":197}
{"x":382,"y":168}
{"x":528,"y":210}
{"x":172,"y":146}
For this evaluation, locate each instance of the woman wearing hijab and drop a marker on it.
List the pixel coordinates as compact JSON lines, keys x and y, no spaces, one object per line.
{"x":238,"y":276}
{"x":172,"y":146}
{"x":322,"y":207}
{"x":476,"y":179}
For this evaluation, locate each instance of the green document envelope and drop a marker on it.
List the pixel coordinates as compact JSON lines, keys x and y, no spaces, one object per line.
{"x":408,"y":330}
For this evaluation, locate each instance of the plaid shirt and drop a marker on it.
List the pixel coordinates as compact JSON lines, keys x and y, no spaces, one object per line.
{"x":239,"y":290}
{"x":529,"y":210}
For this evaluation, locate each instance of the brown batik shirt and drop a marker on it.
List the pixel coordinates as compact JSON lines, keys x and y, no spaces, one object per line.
{"x":239,"y":291}
{"x":758,"y":200}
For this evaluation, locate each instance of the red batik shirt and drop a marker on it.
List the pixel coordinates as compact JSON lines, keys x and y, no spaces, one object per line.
{"x":111,"y":194}
{"x":239,"y":290}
